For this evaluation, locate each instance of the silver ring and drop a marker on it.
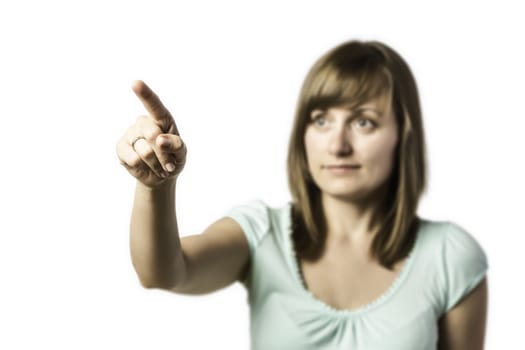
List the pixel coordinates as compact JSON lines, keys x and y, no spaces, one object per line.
{"x":136,"y":139}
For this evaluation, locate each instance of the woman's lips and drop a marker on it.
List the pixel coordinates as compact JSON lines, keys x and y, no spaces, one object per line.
{"x":341,"y":168}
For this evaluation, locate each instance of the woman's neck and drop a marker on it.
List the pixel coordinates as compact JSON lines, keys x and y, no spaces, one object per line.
{"x":349,"y":222}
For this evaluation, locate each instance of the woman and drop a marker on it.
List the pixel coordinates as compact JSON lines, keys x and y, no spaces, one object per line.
{"x":347,"y":264}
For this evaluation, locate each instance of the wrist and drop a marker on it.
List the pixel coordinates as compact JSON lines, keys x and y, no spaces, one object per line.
{"x":167,"y":186}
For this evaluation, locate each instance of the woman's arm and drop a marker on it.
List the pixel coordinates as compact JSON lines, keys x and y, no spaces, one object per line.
{"x":463,"y":327}
{"x":214,"y":259}
{"x":154,"y":238}
{"x":195,"y":264}
{"x":153,"y":152}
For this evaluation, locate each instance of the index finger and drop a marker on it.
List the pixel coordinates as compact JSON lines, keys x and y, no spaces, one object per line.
{"x":154,"y":106}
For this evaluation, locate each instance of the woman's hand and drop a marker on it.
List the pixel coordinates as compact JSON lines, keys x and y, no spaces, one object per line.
{"x":151,"y":149}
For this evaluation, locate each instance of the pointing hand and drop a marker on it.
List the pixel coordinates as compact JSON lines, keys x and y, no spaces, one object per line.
{"x":151,"y":149}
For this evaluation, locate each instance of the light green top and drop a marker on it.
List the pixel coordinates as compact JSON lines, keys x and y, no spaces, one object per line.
{"x":445,"y":264}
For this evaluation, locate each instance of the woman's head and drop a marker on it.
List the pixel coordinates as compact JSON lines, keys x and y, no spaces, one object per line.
{"x":359,"y":106}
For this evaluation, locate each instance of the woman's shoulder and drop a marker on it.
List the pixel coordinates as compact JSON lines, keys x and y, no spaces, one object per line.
{"x":450,"y":241}
{"x":455,"y":257}
{"x":444,"y":230}
{"x":259,"y":209}
{"x":258,"y":218}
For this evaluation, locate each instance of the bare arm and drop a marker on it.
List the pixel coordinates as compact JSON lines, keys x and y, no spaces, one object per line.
{"x":195,"y":264}
{"x":214,"y":259}
{"x":153,"y":152}
{"x":463,"y":327}
{"x":154,"y":239}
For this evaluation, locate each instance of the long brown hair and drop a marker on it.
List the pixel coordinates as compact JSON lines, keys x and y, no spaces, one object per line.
{"x":354,"y":73}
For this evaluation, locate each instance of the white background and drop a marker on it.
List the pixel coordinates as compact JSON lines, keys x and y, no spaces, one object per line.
{"x":230,"y":72}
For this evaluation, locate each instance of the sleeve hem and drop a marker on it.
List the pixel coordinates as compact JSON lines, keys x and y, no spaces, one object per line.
{"x":245,"y":226}
{"x":474,"y":283}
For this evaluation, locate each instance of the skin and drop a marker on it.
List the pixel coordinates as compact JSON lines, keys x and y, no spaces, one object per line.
{"x":365,"y":136}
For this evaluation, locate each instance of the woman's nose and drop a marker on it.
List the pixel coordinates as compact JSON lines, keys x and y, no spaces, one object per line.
{"x":340,"y":143}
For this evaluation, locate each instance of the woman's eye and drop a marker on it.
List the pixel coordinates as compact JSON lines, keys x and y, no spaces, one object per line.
{"x":365,"y":123}
{"x":318,"y":118}
{"x":320,"y":121}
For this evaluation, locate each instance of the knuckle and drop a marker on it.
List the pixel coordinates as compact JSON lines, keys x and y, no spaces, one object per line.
{"x":151,"y":133}
{"x":143,"y":149}
{"x":140,"y":172}
{"x":135,"y":162}
{"x":177,"y":142}
{"x":163,"y":141}
{"x":155,"y":104}
{"x":129,"y":160}
{"x":149,"y":95}
{"x":122,"y":162}
{"x":145,"y":152}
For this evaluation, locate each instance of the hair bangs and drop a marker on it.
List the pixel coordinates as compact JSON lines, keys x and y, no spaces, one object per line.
{"x":348,"y":84}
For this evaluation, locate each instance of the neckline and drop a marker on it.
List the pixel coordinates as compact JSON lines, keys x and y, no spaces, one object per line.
{"x":388,"y":294}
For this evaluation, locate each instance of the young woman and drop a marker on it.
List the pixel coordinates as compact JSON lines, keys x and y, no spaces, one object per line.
{"x":347,"y":264}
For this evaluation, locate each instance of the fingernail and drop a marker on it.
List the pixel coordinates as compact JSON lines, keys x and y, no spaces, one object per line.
{"x":170,"y":167}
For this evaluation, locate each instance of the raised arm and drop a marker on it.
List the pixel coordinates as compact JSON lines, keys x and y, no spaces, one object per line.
{"x":153,"y":152}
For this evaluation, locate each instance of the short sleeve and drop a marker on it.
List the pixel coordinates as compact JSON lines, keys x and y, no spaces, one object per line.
{"x":465,"y":265}
{"x":254,"y":219}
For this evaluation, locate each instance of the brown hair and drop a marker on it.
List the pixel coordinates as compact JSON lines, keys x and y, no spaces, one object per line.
{"x":354,"y":73}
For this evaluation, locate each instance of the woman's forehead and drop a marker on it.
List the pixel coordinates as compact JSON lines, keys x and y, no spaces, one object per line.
{"x":380,"y":104}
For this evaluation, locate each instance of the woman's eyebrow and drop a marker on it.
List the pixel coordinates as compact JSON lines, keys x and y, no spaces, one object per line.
{"x":353,"y":111}
{"x":364,"y":108}
{"x":360,"y":108}
{"x":375,"y":111}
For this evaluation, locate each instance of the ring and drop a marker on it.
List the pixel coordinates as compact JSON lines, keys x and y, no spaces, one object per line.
{"x":136,"y":139}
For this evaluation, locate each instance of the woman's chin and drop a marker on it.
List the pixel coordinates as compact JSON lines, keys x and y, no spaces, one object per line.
{"x":348,"y":195}
{"x":351,"y":194}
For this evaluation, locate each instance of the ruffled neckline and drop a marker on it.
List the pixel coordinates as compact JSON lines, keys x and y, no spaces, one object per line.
{"x":394,"y":287}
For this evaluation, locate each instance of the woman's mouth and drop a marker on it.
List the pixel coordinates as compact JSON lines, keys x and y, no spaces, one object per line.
{"x":341,"y":168}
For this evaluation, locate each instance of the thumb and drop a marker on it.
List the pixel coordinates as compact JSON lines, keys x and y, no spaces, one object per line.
{"x":173,"y":150}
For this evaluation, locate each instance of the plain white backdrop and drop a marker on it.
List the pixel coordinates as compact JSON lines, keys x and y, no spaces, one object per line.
{"x":230,"y":72}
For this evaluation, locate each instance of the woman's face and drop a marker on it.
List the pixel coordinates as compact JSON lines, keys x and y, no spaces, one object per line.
{"x":350,"y":152}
